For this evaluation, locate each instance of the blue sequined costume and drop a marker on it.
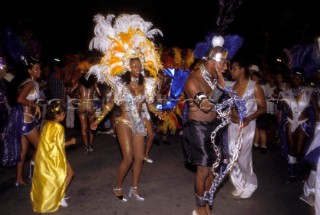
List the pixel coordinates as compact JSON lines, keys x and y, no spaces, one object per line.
{"x":11,"y":147}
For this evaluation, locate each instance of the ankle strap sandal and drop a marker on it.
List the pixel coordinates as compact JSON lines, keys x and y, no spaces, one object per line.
{"x":201,"y":201}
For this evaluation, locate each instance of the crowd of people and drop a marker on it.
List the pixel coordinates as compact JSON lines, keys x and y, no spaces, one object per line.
{"x":129,"y":85}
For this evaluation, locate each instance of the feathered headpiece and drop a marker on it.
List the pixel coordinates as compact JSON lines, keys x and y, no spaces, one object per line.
{"x":232,"y":43}
{"x":177,"y":58}
{"x":19,"y":46}
{"x":226,"y":13}
{"x":306,"y":57}
{"x":121,"y":39}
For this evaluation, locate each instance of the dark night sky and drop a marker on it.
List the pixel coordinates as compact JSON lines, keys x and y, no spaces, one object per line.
{"x":263,"y":23}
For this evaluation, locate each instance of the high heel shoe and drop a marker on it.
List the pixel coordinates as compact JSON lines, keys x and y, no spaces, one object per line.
{"x":148,"y":160}
{"x":133,"y":192}
{"x":90,"y":148}
{"x":120,"y":197}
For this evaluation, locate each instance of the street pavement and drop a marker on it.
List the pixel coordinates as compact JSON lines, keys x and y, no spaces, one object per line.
{"x":167,"y":184}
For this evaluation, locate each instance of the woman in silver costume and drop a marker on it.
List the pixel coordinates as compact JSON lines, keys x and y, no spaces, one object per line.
{"x":127,"y":52}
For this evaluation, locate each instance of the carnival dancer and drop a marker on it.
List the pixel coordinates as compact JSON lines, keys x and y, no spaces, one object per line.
{"x":4,"y":107}
{"x":311,"y":186}
{"x":176,"y":63}
{"x":52,"y":173}
{"x":199,"y":87}
{"x":87,"y":89}
{"x":310,"y":194}
{"x":22,"y":126}
{"x":128,"y":49}
{"x":298,"y":100}
{"x":242,"y":175}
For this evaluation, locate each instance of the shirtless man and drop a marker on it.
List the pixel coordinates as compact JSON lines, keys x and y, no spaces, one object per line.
{"x":199,"y":87}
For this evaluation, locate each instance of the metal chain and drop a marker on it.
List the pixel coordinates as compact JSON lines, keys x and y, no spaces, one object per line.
{"x":205,"y":75}
{"x":218,"y":177}
{"x":223,"y":111}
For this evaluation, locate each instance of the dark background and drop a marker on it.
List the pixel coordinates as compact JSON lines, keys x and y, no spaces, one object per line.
{"x":267,"y":26}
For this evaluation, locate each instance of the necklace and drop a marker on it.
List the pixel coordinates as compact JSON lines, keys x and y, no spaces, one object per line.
{"x":206,"y":76}
{"x":297,"y":91}
{"x":134,"y":85}
{"x":134,"y":79}
{"x":134,"y":82}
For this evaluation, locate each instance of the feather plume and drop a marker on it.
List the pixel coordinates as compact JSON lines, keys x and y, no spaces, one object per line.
{"x":71,"y":63}
{"x":306,"y":57}
{"x":189,"y":58}
{"x":13,"y":45}
{"x":169,"y":124}
{"x":231,"y":42}
{"x":177,"y":57}
{"x":226,"y":13}
{"x":122,"y":38}
{"x":19,"y":41}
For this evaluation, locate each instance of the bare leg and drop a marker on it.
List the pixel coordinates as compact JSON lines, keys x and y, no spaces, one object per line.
{"x":70,"y":175}
{"x":84,"y":128}
{"x":34,"y":137}
{"x":291,"y":150}
{"x":202,"y":175}
{"x":300,"y":141}
{"x":138,"y":154}
{"x":296,"y":141}
{"x":89,"y":119}
{"x":90,"y":131}
{"x":292,"y":153}
{"x":263,"y":137}
{"x":20,"y":165}
{"x":150,"y":137}
{"x":256,"y":138}
{"x":124,"y":134}
{"x":209,"y":182}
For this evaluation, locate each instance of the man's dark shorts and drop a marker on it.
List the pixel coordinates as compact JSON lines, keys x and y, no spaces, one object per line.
{"x":197,"y":142}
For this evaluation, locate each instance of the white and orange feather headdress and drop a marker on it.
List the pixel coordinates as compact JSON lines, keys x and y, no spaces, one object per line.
{"x":120,"y":39}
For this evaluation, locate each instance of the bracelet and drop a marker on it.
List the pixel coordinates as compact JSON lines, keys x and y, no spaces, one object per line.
{"x":104,"y":112}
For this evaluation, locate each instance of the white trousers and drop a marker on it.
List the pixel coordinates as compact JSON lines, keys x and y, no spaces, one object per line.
{"x":242,"y":175}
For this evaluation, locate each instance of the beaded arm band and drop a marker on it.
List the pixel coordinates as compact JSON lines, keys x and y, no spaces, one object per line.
{"x":103,"y":113}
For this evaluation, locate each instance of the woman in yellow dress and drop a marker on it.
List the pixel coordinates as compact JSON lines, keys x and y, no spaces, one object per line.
{"x":52,"y":172}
